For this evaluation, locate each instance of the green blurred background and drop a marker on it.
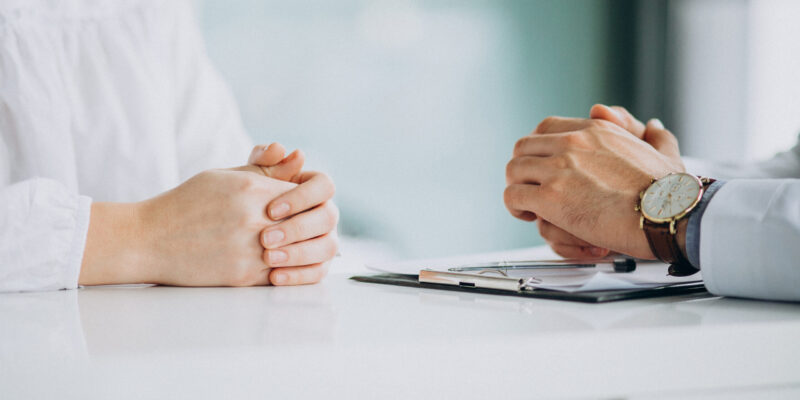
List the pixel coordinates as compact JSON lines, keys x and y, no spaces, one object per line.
{"x":413,"y":107}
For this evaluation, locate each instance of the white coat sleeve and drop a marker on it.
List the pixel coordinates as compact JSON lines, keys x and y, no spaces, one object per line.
{"x":43,"y":229}
{"x":210,"y":133}
{"x":750,"y":240}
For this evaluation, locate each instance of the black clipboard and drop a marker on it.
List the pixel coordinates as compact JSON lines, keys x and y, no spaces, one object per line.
{"x":605,"y":296}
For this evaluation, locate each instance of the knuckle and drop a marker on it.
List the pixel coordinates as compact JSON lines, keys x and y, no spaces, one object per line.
{"x":335,"y":212}
{"x":294,"y":231}
{"x":315,"y":274}
{"x":563,"y":161}
{"x":319,"y":273}
{"x":574,"y":139}
{"x":520,"y":146}
{"x":265,"y":257}
{"x":558,"y":185}
{"x":671,"y":137}
{"x":326,"y":182}
{"x":248,"y":221}
{"x":545,"y":124}
{"x":291,"y":279}
{"x":300,"y":231}
{"x":330,"y":184}
{"x":560,"y":161}
{"x":509,"y":195}
{"x":331,"y":247}
{"x":511,"y":167}
{"x":563,"y":251}
{"x":602,"y":124}
{"x":246,"y":182}
{"x":331,"y":216}
{"x":544,"y":229}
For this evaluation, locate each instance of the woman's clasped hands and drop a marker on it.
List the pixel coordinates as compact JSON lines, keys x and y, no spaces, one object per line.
{"x":265,"y":223}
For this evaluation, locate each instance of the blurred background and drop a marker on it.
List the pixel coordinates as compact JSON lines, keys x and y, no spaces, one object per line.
{"x":413,"y":106}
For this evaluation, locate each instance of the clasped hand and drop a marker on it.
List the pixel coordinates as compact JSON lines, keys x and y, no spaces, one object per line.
{"x":265,"y":223}
{"x":581,"y":179}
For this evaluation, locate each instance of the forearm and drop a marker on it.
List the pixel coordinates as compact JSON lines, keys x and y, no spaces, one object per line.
{"x":113,"y":252}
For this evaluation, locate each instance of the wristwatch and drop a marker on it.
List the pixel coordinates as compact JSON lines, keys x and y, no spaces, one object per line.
{"x":666,"y":201}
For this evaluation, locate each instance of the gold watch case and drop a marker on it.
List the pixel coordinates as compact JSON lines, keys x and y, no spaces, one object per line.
{"x":671,"y":219}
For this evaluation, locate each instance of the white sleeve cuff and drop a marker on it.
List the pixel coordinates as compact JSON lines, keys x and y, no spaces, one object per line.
{"x":43,"y":228}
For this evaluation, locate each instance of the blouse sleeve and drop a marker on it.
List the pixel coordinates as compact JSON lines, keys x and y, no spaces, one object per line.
{"x":210,"y":133}
{"x":43,"y":229}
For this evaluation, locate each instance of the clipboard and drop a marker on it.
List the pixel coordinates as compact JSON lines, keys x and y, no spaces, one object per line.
{"x":605,"y":296}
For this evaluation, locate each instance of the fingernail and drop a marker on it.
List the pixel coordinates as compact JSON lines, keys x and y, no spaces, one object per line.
{"x":657,"y":123}
{"x":277,"y":257}
{"x":279,"y":211}
{"x":596,"y":251}
{"x":280,"y":278}
{"x":273,"y":237}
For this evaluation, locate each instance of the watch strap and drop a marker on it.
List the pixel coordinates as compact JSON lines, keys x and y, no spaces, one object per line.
{"x":665,"y":248}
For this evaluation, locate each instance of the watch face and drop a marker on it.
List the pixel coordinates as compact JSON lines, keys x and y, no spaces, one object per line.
{"x":671,"y":197}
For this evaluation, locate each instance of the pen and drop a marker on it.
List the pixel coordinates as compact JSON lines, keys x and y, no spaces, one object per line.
{"x":620,"y":265}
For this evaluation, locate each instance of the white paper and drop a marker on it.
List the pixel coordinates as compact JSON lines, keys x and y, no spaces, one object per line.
{"x":605,"y":280}
{"x":573,"y":280}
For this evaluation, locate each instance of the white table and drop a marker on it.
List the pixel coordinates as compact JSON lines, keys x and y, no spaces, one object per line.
{"x":345,"y":339}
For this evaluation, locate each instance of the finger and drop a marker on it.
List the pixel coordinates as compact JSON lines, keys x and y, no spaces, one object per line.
{"x":523,"y":201}
{"x":573,"y":247}
{"x":288,"y":168}
{"x":568,"y":251}
{"x":530,"y":170}
{"x":312,"y":251}
{"x":266,"y":155}
{"x":561,"y":124}
{"x":314,"y":188}
{"x":540,"y":145}
{"x":619,"y":116}
{"x":554,"y":234}
{"x":310,"y":224}
{"x":262,"y":279}
{"x":661,"y":139}
{"x":298,"y":275}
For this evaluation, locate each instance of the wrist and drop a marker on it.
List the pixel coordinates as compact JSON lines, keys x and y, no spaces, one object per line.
{"x":114,"y":252}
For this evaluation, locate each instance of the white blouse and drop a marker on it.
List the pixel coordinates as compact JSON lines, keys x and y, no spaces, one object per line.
{"x":106,"y":100}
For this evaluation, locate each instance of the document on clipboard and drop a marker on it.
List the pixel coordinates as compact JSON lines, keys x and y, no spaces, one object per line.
{"x":536,"y":272}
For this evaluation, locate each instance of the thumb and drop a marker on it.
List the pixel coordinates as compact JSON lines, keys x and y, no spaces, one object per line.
{"x":287,"y":169}
{"x":267,"y":155}
{"x":661,"y":139}
{"x":619,"y":116}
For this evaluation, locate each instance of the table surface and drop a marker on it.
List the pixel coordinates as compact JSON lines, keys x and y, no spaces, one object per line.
{"x":346,"y":339}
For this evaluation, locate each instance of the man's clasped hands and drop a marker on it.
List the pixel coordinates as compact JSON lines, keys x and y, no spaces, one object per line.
{"x":270,"y":222}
